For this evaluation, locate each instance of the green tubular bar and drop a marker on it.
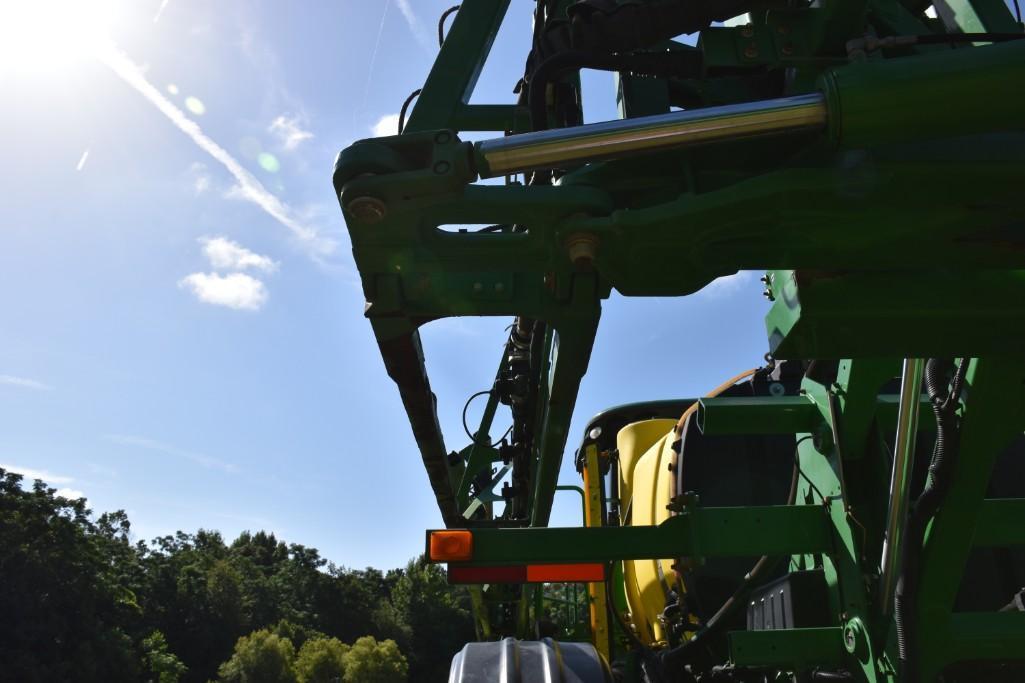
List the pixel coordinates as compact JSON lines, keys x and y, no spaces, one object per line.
{"x":702,"y":532}
{"x":757,"y":415}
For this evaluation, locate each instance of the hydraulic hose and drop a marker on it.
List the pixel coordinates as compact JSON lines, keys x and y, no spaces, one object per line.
{"x":944,"y":458}
{"x":712,"y":394}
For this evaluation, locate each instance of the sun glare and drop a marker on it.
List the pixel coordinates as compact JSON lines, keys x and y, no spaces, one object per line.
{"x":41,"y":37}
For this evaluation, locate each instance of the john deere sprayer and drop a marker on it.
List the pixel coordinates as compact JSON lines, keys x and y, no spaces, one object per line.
{"x":851,"y":509}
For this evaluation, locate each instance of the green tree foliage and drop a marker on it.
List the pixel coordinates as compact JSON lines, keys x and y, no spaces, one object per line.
{"x":261,"y":657}
{"x":373,"y":661}
{"x":321,"y":660}
{"x":64,"y":606}
{"x":80,"y":601}
{"x":438,"y":618}
{"x":161,"y":666}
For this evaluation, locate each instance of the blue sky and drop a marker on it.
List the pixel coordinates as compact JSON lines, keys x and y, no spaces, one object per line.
{"x":182,"y":333}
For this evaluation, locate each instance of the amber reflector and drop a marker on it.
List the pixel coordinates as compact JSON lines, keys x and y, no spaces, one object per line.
{"x":451,"y":546}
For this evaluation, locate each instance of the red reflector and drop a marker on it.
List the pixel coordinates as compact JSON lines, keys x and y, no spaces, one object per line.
{"x":487,"y":574}
{"x":565,"y":573}
{"x":534,"y":573}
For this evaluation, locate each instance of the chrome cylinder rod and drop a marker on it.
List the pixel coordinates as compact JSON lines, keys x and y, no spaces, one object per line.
{"x":610,"y":139}
{"x":900,"y":478}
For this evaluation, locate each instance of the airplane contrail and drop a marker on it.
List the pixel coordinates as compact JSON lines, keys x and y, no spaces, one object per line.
{"x":250,"y":188}
{"x":82,"y":160}
{"x":160,"y":10}
{"x":420,"y":32}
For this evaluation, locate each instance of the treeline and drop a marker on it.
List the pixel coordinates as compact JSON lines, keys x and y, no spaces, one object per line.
{"x":80,"y":602}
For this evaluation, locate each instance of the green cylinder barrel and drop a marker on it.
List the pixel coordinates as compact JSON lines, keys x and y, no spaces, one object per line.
{"x":965,"y":91}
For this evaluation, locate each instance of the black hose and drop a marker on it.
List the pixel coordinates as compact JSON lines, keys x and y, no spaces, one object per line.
{"x":668,"y":63}
{"x":944,"y":459}
{"x":466,"y":427}
{"x":405,"y":108}
{"x":441,"y":23}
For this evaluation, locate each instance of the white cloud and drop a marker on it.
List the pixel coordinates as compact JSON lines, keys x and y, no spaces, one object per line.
{"x":289,"y":131}
{"x":24,"y":383}
{"x":70,"y":493}
{"x":386,"y":125}
{"x":728,"y":285}
{"x":237,"y":290}
{"x":200,"y":176}
{"x":420,"y":32}
{"x":224,"y":254}
{"x":159,"y":447}
{"x":250,"y":188}
{"x":30,"y":473}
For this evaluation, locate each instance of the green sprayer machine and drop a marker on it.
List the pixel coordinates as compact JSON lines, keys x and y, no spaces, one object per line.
{"x":851,"y":510}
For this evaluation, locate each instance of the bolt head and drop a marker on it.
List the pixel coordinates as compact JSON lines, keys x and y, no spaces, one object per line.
{"x":751,"y":52}
{"x":442,"y":167}
{"x":367,"y":209}
{"x":582,"y":248}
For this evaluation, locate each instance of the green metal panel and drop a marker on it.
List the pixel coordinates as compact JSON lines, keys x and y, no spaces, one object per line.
{"x":757,"y":415}
{"x":822,"y":314}
{"x":1001,"y":523}
{"x":985,"y":635}
{"x":788,"y":648}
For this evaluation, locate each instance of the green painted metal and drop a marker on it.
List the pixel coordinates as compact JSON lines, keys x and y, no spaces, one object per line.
{"x":797,"y":648}
{"x":993,"y":416}
{"x":583,"y":499}
{"x":757,"y":415}
{"x":702,"y":532}
{"x":1000,"y":523}
{"x":816,"y":315}
{"x":974,"y":16}
{"x":909,"y":99}
{"x":896,"y":232}
{"x":458,"y":65}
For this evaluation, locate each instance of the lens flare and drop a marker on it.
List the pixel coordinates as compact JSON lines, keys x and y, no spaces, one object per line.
{"x":195,"y":105}
{"x":268,"y":162}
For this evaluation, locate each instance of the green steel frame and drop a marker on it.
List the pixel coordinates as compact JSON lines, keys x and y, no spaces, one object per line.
{"x":895,"y":232}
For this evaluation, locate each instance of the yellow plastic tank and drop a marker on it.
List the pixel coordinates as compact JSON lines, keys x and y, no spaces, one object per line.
{"x":646,"y":486}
